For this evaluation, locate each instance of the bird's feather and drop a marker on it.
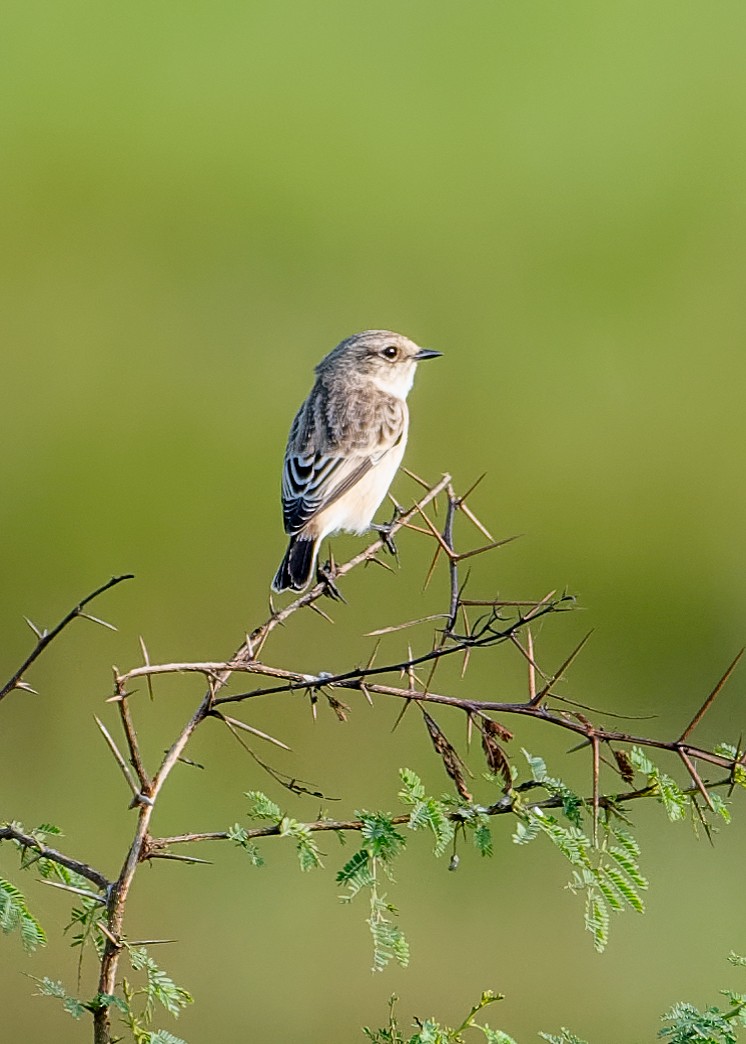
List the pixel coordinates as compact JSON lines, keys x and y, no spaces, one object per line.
{"x":323,"y":461}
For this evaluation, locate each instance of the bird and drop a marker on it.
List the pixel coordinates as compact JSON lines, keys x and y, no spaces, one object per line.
{"x":345,"y":445}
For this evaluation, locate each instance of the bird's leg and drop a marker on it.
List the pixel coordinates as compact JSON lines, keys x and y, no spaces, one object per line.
{"x":325,"y":575}
{"x":384,"y":531}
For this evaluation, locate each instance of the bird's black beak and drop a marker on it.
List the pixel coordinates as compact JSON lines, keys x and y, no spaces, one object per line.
{"x":427,"y":353}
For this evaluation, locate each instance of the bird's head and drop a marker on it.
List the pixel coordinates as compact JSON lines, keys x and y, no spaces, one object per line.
{"x":387,"y":359}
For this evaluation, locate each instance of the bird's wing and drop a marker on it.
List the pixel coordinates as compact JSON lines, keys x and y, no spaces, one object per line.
{"x":312,"y":481}
{"x":331,"y":448}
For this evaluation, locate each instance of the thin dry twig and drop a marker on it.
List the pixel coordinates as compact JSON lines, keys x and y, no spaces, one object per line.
{"x":117,"y":756}
{"x":45,"y":637}
{"x":710,"y":699}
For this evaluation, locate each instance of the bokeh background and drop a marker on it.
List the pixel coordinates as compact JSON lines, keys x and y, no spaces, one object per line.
{"x":198,"y":201}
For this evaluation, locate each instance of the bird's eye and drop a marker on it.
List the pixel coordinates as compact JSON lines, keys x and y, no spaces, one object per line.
{"x":390,"y":352}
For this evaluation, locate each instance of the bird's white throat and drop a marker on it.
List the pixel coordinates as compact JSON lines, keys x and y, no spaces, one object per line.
{"x":397,"y":381}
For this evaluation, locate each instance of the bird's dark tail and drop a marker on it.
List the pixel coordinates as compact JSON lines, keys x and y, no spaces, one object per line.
{"x":297,"y":565}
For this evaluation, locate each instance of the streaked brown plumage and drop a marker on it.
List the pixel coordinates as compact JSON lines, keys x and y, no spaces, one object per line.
{"x":345,"y":445}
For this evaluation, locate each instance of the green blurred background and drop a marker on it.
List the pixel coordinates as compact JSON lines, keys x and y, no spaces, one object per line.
{"x":198,"y":201}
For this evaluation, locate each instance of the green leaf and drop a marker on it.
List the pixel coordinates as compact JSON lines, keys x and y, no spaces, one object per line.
{"x":240,"y":837}
{"x":434,"y":815}
{"x":74,"y":1007}
{"x":597,"y":919}
{"x":413,"y":789}
{"x":159,"y":988}
{"x":641,"y":761}
{"x":675,"y":801}
{"x":628,"y":843}
{"x":720,"y":807}
{"x":689,"y":1024}
{"x":525,"y":831}
{"x":262,"y":807}
{"x":389,"y":942}
{"x":50,"y":988}
{"x":536,"y":765}
{"x":628,"y":865}
{"x":624,"y":888}
{"x":608,"y":892}
{"x":53,"y":988}
{"x":357,"y":873}
{"x":483,"y":839}
{"x":496,"y":1036}
{"x":309,"y":856}
{"x":381,"y":839}
{"x":16,"y":916}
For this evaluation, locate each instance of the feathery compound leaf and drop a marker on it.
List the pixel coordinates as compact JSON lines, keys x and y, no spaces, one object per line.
{"x":571,"y":842}
{"x":597,"y":919}
{"x":641,"y":761}
{"x":388,"y":940}
{"x":32,"y":933}
{"x":495,"y":1036}
{"x":572,"y":803}
{"x":357,"y":873}
{"x":726,"y":750}
{"x":74,"y":1007}
{"x":381,"y":838}
{"x":670,"y":794}
{"x":380,"y":844}
{"x":262,"y":807}
{"x":624,"y":888}
{"x":630,"y":867}
{"x":720,"y":807}
{"x":628,"y":843}
{"x":483,"y":839}
{"x":675,"y":801}
{"x":526,"y":830}
{"x":536,"y":765}
{"x":413,"y":789}
{"x":565,"y":1037}
{"x":238,"y":835}
{"x":86,"y":917}
{"x":45,"y":830}
{"x":159,"y":988}
{"x":309,"y":856}
{"x":738,"y":771}
{"x":688,"y":1024}
{"x":15,"y":915}
{"x":50,"y":988}
{"x":433,"y":814}
{"x":608,"y":892}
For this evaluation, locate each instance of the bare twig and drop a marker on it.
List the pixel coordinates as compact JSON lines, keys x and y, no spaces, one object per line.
{"x":710,"y":699}
{"x":117,"y":756}
{"x":45,"y":637}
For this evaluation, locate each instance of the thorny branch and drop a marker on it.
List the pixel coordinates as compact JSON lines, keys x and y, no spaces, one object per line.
{"x":35,"y":849}
{"x":502,"y":622}
{"x":45,"y":637}
{"x":506,"y":804}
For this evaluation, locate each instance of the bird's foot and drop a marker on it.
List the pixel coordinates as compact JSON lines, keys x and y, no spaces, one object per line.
{"x":325,"y":575}
{"x":384,"y":531}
